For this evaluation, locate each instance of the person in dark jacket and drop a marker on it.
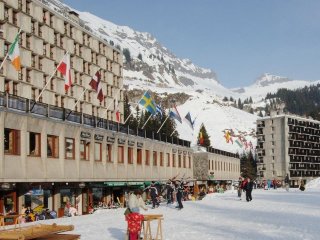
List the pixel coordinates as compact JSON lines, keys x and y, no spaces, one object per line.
{"x":154,"y":195}
{"x":180,"y":190}
{"x":249,"y":187}
{"x":170,"y":189}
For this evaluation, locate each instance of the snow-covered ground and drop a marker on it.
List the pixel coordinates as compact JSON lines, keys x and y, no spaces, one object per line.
{"x":272,"y":214}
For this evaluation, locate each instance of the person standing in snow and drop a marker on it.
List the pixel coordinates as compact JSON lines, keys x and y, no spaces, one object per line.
{"x":136,"y":202}
{"x":286,"y":182}
{"x":249,"y":187}
{"x":170,"y":189}
{"x":154,"y":195}
{"x":239,"y":188}
{"x":180,"y":190}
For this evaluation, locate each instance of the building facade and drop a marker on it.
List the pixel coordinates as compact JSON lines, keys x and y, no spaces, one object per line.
{"x":288,"y":144}
{"x":54,"y":152}
{"x":212,"y":164}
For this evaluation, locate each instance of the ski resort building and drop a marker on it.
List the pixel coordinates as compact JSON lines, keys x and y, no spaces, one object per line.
{"x":65,"y":147}
{"x":288,"y":144}
{"x":216,"y":166}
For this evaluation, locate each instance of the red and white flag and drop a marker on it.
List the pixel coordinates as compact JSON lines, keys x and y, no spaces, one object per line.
{"x":96,"y":85}
{"x":64,"y":68}
{"x":117,"y":111}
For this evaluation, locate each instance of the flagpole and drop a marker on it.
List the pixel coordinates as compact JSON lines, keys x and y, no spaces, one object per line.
{"x":163,"y":123}
{"x":48,"y":82}
{"x":108,"y":107}
{"x":76,"y":102}
{"x":172,"y":133}
{"x":146,"y":121}
{"x":128,"y":118}
{"x":5,"y":58}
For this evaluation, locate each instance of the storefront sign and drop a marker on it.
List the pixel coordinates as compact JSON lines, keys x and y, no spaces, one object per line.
{"x":98,"y":137}
{"x":114,"y":184}
{"x":121,"y":141}
{"x":139,"y":144}
{"x":35,"y":192}
{"x":110,"y":139}
{"x":131,"y":142}
{"x":85,"y":135}
{"x":135,"y":183}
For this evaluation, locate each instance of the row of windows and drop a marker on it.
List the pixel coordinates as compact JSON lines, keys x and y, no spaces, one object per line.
{"x":223,"y":166}
{"x":12,"y":145}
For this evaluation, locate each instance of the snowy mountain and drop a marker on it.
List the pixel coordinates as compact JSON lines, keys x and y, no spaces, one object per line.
{"x":151,"y":66}
{"x":269,"y":83}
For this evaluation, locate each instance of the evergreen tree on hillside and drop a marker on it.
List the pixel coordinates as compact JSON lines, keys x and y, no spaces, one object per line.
{"x":248,"y":165}
{"x":127,"y":55}
{"x":140,"y":56}
{"x":132,"y":121}
{"x":203,"y":137}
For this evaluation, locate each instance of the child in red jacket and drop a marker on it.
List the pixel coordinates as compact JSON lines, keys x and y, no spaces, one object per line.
{"x":134,"y":224}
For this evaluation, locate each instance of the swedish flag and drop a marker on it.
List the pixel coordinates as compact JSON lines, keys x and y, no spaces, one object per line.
{"x":147,"y":102}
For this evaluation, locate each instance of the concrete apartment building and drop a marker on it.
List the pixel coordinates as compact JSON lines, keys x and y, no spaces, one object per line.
{"x":55,"y":156}
{"x":288,"y":144}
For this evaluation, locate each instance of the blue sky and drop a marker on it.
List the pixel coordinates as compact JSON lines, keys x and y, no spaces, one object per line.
{"x":238,"y":39}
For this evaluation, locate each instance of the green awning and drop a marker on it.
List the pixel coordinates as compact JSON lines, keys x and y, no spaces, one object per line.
{"x":135,"y":183}
{"x":115,"y":184}
{"x":147,"y":183}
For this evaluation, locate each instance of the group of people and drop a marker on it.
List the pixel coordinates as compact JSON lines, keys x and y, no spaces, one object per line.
{"x":245,"y":185}
{"x":28,"y":215}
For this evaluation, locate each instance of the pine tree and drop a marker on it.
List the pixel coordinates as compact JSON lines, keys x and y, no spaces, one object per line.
{"x":248,"y":165}
{"x":206,"y":137}
{"x":140,"y":56}
{"x":131,"y":122}
{"x":250,"y":100}
{"x":127,"y":55}
{"x":260,"y":114}
{"x":225,"y":99}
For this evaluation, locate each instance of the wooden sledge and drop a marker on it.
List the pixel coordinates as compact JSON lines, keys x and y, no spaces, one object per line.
{"x":39,"y":232}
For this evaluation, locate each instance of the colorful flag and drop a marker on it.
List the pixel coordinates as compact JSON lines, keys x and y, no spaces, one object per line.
{"x":173,"y":113}
{"x":201,"y":138}
{"x":117,"y":111}
{"x":14,"y":54}
{"x":95,"y":84}
{"x":147,"y":102}
{"x":95,"y":81}
{"x":188,"y":120}
{"x":159,"y":110}
{"x":239,"y":143}
{"x":65,"y":70}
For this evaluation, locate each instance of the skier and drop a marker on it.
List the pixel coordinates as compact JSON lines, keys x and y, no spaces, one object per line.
{"x":249,"y":187}
{"x":170,"y":188}
{"x":154,"y":195}
{"x":179,"y":188}
{"x":239,"y":188}
{"x":286,"y":181}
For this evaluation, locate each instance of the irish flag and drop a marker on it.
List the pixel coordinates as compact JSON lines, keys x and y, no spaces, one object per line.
{"x":14,"y":54}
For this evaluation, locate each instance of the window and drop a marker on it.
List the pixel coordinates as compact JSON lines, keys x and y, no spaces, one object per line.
{"x":179,"y":161}
{"x":109,"y":152}
{"x":173,"y":160}
{"x":52,"y":146}
{"x":190,"y":162}
{"x":34,"y":144}
{"x":155,"y":160}
{"x":69,"y":148}
{"x":147,"y":157}
{"x":97,"y":151}
{"x":84,"y":150}
{"x":161,"y":159}
{"x":130,"y":155}
{"x":139,"y":156}
{"x":120,"y":154}
{"x":185,"y":162}
{"x":168,"y":159}
{"x":11,"y":141}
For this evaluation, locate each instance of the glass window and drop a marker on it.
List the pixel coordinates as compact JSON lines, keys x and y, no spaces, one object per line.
{"x":97,"y":151}
{"x":52,"y":146}
{"x":11,"y":141}
{"x":173,"y":160}
{"x":139,"y":156}
{"x":130,"y":155}
{"x":34,"y":144}
{"x":190,"y":162}
{"x":168,"y":159}
{"x":68,"y":196}
{"x":109,"y":152}
{"x":185,"y":162}
{"x":120,"y":154}
{"x":84,"y":150}
{"x":97,"y":196}
{"x":155,"y":160}
{"x":69,"y":148}
{"x":161,"y":158}
{"x":147,"y":157}
{"x":179,"y":161}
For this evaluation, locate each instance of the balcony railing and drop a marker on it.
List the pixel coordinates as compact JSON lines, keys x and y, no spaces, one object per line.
{"x":16,"y":103}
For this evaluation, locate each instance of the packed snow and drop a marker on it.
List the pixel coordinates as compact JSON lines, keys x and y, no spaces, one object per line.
{"x":272,"y":214}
